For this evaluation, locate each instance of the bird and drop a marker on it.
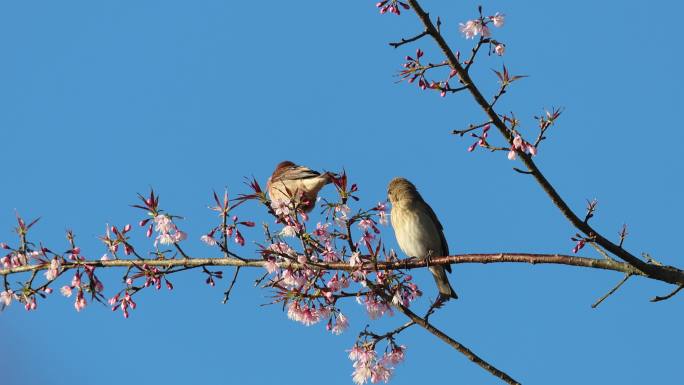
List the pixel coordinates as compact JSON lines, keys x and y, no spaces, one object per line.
{"x":418,"y":231}
{"x":291,"y":181}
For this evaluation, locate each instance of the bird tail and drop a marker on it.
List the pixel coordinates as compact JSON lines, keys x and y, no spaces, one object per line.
{"x":446,"y":292}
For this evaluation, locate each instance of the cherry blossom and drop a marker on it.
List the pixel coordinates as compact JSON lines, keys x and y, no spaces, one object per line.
{"x":341,"y":324}
{"x":520,"y":145}
{"x":281,"y":207}
{"x":473,"y":28}
{"x":66,"y":291}
{"x":209,"y":239}
{"x":498,"y":19}
{"x":52,"y":272}
{"x":6,"y":297}
{"x":80,"y":303}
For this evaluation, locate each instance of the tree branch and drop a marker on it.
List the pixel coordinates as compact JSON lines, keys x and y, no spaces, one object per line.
{"x":453,"y":343}
{"x":409,"y":40}
{"x":534,"y":259}
{"x":663,"y":273}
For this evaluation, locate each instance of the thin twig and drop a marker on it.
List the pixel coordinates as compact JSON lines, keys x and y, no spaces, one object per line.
{"x":600,"y":251}
{"x":658,"y":299}
{"x":613,"y":290}
{"x":521,"y":171}
{"x":226,"y":294}
{"x":409,"y":40}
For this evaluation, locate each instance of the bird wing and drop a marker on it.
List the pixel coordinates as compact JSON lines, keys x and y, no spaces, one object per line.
{"x":440,"y":228}
{"x":298,"y":172}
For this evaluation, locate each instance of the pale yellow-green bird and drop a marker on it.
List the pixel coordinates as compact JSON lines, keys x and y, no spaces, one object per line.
{"x":418,"y":231}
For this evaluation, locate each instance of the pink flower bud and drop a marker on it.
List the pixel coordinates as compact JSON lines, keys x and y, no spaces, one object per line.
{"x":511,"y":154}
{"x":517,"y":142}
{"x":127,"y":228}
{"x":144,"y":222}
{"x":239,"y":239}
{"x":149,"y":231}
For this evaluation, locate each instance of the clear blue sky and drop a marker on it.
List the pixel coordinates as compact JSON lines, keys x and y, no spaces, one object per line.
{"x":104,"y":99}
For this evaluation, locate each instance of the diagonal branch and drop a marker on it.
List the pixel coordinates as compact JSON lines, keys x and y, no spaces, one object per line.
{"x":663,"y":273}
{"x":469,"y":354}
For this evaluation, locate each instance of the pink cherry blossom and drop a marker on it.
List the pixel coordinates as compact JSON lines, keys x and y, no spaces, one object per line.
{"x":281,"y":207}
{"x":498,"y":19}
{"x":382,"y":218}
{"x":471,"y":28}
{"x":341,"y":324}
{"x":76,"y":280}
{"x":376,"y":308}
{"x":322,"y":231}
{"x":52,"y":272}
{"x":80,"y":303}
{"x":380,"y":373}
{"x":179,"y":236}
{"x":512,"y":154}
{"x":362,"y":373}
{"x":162,"y":223}
{"x":355,"y":259}
{"x":288,"y":231}
{"x":66,"y":291}
{"x":304,"y":314}
{"x":500,"y":49}
{"x":365,"y":224}
{"x":330,"y":254}
{"x":6,"y":297}
{"x":395,"y":356}
{"x":208,"y":239}
{"x":271,"y":266}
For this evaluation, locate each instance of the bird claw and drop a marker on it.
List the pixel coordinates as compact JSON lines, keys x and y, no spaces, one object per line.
{"x":428,"y":257}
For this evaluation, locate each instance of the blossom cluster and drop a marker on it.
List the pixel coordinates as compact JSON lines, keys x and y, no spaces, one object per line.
{"x":391,"y":6}
{"x":472,"y":28}
{"x":367,"y":365}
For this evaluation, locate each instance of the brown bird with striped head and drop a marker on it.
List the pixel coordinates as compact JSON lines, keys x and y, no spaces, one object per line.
{"x":290,"y":182}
